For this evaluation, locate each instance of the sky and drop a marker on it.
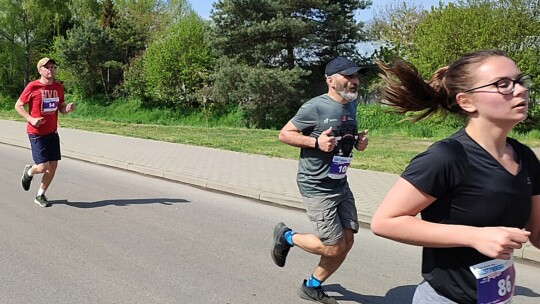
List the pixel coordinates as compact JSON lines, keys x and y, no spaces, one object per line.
{"x":203,"y":7}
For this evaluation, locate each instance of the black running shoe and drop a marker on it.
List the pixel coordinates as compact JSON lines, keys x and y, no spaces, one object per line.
{"x":26,"y":180}
{"x":280,"y":248}
{"x":315,"y":294}
{"x":42,"y":201}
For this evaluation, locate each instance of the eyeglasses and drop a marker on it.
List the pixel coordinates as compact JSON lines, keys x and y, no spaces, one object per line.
{"x":506,"y":86}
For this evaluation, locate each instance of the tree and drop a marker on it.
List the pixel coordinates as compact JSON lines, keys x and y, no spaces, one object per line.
{"x":394,"y":26}
{"x":268,"y":97}
{"x":108,"y":15}
{"x":270,"y":39}
{"x":177,"y":64}
{"x":107,"y":37}
{"x":509,"y":25}
{"x":84,"y":55}
{"x":501,"y":24}
{"x":286,"y":33}
{"x":26,"y":30}
{"x":337,"y":32}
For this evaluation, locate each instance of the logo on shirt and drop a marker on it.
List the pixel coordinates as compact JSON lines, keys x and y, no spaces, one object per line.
{"x":328,"y":120}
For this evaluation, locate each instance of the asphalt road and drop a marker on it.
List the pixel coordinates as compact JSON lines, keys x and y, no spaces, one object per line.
{"x":117,"y":237}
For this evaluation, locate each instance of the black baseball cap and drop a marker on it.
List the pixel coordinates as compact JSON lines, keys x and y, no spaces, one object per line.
{"x":342,"y":65}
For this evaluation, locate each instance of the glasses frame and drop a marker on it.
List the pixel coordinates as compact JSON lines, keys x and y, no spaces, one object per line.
{"x":521,"y":80}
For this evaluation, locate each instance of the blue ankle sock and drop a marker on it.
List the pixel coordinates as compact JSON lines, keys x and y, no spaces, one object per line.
{"x":312,"y":282}
{"x":288,"y":236}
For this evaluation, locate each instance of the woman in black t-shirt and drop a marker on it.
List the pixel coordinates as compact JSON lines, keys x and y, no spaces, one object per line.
{"x":478,"y":191}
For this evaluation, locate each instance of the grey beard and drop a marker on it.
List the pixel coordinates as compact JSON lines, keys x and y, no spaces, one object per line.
{"x":347,"y":96}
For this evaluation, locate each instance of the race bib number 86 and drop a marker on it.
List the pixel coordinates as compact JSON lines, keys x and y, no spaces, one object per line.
{"x":495,"y":281}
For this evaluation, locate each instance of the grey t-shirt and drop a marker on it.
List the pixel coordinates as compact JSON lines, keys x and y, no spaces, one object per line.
{"x":314,"y":117}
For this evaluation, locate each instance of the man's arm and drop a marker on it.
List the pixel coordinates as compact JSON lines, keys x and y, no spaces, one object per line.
{"x":34,"y":121}
{"x":66,"y":107}
{"x":19,"y":107}
{"x":290,"y":135}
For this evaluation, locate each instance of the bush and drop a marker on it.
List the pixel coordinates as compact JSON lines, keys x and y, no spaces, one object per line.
{"x":176,"y":66}
{"x":268,"y":97}
{"x":381,"y":119}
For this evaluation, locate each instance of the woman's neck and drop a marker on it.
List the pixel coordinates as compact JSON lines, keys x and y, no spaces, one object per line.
{"x":492,"y":139}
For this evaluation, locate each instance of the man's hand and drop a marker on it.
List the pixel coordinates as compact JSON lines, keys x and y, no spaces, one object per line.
{"x":327,"y":142}
{"x":362,"y":142}
{"x":36,"y":121}
{"x":70,"y":107}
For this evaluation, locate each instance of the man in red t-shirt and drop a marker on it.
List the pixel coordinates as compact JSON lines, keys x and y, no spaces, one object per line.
{"x":45,"y":98}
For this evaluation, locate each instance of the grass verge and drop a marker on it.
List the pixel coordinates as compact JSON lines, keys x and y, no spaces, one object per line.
{"x":390,"y":150}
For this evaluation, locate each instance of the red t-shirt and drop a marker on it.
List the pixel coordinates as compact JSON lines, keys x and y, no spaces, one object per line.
{"x":43,"y":101}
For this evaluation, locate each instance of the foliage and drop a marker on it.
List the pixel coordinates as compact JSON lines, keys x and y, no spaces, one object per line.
{"x":157,"y":53}
{"x":83,"y":55}
{"x":273,"y":52}
{"x":26,"y":29}
{"x":268,"y":97}
{"x":394,"y":26}
{"x":176,"y":66}
{"x":107,"y":37}
{"x":130,"y":110}
{"x":11,"y":80}
{"x":501,"y":24}
{"x":286,"y":33}
{"x":509,"y":25}
{"x":442,"y":35}
{"x":391,"y":146}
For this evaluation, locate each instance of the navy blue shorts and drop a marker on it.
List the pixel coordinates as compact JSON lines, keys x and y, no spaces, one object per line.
{"x":45,"y":147}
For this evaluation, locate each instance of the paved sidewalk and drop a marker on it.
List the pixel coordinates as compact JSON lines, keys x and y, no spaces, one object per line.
{"x":258,"y":177}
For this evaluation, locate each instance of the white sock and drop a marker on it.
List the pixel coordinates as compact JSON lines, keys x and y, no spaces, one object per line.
{"x":40,"y":192}
{"x":29,"y":171}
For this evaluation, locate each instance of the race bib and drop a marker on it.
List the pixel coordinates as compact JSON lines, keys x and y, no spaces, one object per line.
{"x":495,"y":281}
{"x":338,"y":168}
{"x":50,"y":105}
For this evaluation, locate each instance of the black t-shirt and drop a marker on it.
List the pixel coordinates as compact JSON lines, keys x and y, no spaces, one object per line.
{"x":471,"y":188}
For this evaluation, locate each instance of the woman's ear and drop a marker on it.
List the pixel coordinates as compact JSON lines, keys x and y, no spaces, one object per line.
{"x":465,"y":101}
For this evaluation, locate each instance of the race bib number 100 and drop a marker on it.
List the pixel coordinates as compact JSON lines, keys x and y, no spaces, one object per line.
{"x":339,"y":167}
{"x":495,"y":281}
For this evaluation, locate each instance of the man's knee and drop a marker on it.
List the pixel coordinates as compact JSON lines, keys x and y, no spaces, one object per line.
{"x":337,"y":249}
{"x":53,"y":164}
{"x":41,"y":168}
{"x":349,"y":243}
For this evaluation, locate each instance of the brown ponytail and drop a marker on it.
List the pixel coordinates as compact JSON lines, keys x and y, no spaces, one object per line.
{"x":406,"y":91}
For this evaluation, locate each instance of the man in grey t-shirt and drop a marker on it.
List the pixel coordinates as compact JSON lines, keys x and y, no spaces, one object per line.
{"x":326,"y":130}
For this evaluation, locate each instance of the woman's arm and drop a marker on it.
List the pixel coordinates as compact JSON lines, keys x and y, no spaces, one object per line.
{"x":534,"y":221}
{"x":396,"y":219}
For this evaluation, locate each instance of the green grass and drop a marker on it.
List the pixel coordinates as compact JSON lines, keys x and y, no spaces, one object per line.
{"x":384,"y":154}
{"x":391,"y":144}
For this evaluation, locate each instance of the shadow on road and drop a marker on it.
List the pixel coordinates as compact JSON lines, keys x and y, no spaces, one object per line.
{"x":120,"y":202}
{"x":525,"y":292}
{"x":400,"y":294}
